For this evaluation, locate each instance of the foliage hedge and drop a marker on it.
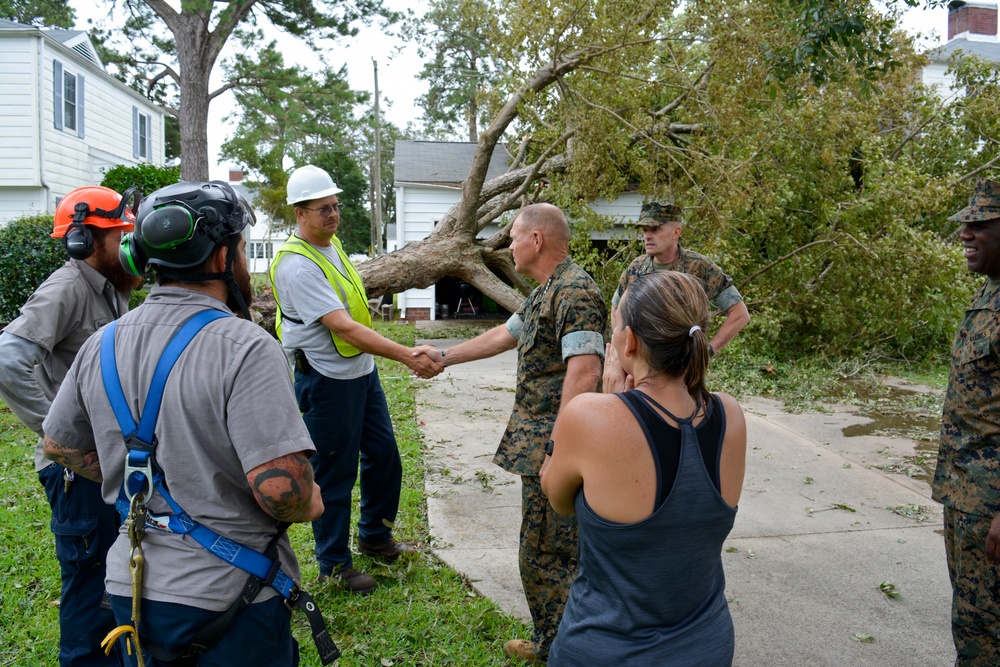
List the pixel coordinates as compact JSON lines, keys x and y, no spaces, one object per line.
{"x":28,"y":254}
{"x":144,"y":176}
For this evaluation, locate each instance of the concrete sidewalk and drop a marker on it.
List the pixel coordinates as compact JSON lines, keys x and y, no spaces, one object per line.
{"x":818,"y":529}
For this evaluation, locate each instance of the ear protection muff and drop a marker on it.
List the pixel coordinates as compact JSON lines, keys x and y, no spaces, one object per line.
{"x":131,"y":256}
{"x":78,"y":240}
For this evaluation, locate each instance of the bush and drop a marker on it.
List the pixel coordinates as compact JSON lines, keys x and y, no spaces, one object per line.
{"x":28,"y":255}
{"x":145,"y":176}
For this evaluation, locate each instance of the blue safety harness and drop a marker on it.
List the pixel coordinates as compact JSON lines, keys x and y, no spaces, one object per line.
{"x":143,"y":475}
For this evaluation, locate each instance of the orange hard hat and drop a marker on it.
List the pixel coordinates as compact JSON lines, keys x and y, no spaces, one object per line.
{"x":104,"y":209}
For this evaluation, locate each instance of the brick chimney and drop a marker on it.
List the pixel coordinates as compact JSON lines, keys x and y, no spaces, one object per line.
{"x":236,"y":175}
{"x":975,"y":18}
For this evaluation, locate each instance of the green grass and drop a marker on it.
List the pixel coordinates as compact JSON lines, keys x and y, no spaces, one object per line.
{"x":806,"y":383}
{"x":423,"y":613}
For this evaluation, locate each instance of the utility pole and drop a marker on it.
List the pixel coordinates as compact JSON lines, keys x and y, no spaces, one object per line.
{"x":376,"y":172}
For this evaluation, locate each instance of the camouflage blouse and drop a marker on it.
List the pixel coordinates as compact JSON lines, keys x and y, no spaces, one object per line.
{"x":968,"y":468}
{"x":562,"y":318}
{"x":718,"y":286}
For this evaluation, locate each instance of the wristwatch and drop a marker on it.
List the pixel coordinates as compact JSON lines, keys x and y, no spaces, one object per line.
{"x":548,"y":447}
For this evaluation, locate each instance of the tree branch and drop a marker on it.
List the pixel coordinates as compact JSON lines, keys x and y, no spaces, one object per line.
{"x":699,"y":84}
{"x":509,"y":201}
{"x":910,"y":135}
{"x":166,"y":13}
{"x":228,"y":86}
{"x":164,"y":73}
{"x":505,"y":182}
{"x":784,"y":258}
{"x":975,"y":171}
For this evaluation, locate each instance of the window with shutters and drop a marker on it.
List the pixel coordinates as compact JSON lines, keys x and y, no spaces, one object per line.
{"x":69,"y":101}
{"x":67,"y":98}
{"x":143,"y":135}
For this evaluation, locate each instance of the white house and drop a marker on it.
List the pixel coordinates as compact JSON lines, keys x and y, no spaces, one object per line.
{"x":262,"y":239}
{"x":428,"y":182}
{"x":972,"y":29}
{"x":63,"y":119}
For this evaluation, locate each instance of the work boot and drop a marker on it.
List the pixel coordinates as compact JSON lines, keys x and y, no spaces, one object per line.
{"x":352,"y":579}
{"x":389,"y":550}
{"x":523,"y":650}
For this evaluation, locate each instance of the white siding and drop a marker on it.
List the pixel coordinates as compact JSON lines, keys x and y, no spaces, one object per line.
{"x":422,"y":207}
{"x":257,"y":238}
{"x":17,"y":202}
{"x":34,"y":155}
{"x":18,"y":113}
{"x":72,"y":161}
{"x":625,"y":208}
{"x":935,"y":76}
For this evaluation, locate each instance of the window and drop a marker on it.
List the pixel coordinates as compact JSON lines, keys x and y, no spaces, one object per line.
{"x":260,"y":250}
{"x":142,"y":135}
{"x":69,"y":101}
{"x":67,"y":97}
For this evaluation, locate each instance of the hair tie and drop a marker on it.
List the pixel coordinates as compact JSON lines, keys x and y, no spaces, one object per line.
{"x":693,"y":329}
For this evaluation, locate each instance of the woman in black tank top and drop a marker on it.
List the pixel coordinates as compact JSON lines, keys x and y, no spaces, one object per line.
{"x":653,"y":469}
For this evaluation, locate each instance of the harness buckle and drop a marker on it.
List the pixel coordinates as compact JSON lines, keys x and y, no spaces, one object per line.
{"x":138,"y":482}
{"x":293,"y":597}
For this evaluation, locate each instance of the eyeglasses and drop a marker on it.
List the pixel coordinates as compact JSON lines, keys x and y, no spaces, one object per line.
{"x":325,"y":210}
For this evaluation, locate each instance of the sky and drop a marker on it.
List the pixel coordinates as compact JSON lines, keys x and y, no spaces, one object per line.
{"x":399,"y":64}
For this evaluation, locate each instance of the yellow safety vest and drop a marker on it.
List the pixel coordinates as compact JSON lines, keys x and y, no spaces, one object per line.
{"x":349,"y":286}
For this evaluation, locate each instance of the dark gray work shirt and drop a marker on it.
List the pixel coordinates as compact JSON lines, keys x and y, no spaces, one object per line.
{"x":227,"y":408}
{"x":72,"y":303}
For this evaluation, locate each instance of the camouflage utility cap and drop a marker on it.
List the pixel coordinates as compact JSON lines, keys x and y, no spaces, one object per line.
{"x":654,"y":214}
{"x":983,"y":205}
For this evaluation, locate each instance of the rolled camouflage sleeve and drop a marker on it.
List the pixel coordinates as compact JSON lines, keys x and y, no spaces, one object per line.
{"x":727,"y":298}
{"x":581,"y":320}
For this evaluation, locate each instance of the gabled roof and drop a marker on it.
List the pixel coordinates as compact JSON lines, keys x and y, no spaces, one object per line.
{"x":78,"y":40}
{"x":442,"y":162}
{"x":988,"y":50}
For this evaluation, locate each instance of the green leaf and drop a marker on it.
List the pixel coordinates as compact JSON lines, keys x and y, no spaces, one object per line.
{"x":889,"y":589}
{"x":863,"y":637}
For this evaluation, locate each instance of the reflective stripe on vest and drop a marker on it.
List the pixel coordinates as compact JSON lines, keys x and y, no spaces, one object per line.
{"x":349,"y":287}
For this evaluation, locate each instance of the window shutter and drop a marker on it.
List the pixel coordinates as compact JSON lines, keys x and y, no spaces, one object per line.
{"x":149,"y":137}
{"x":135,"y":132}
{"x":79,"y":105}
{"x":57,"y":94}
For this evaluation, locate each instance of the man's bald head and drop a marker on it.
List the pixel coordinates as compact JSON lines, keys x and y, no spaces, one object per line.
{"x":548,"y":220}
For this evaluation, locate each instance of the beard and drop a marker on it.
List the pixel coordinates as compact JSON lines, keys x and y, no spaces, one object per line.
{"x":111,"y":268}
{"x":242,"y":277}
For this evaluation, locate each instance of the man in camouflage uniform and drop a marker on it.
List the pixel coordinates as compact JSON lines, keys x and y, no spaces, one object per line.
{"x":559,"y":335}
{"x":661,"y":232}
{"x":967,"y":479}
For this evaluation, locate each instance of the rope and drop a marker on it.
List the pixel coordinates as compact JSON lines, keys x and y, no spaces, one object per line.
{"x":136,"y":524}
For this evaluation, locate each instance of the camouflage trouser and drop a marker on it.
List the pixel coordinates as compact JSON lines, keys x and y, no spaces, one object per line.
{"x":548,"y":562}
{"x":975,"y":603}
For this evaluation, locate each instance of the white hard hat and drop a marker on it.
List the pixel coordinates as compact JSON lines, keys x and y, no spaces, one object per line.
{"x":308,"y":183}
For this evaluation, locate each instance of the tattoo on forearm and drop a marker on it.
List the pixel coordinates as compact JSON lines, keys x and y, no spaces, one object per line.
{"x":282,"y":485}
{"x":82,"y":462}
